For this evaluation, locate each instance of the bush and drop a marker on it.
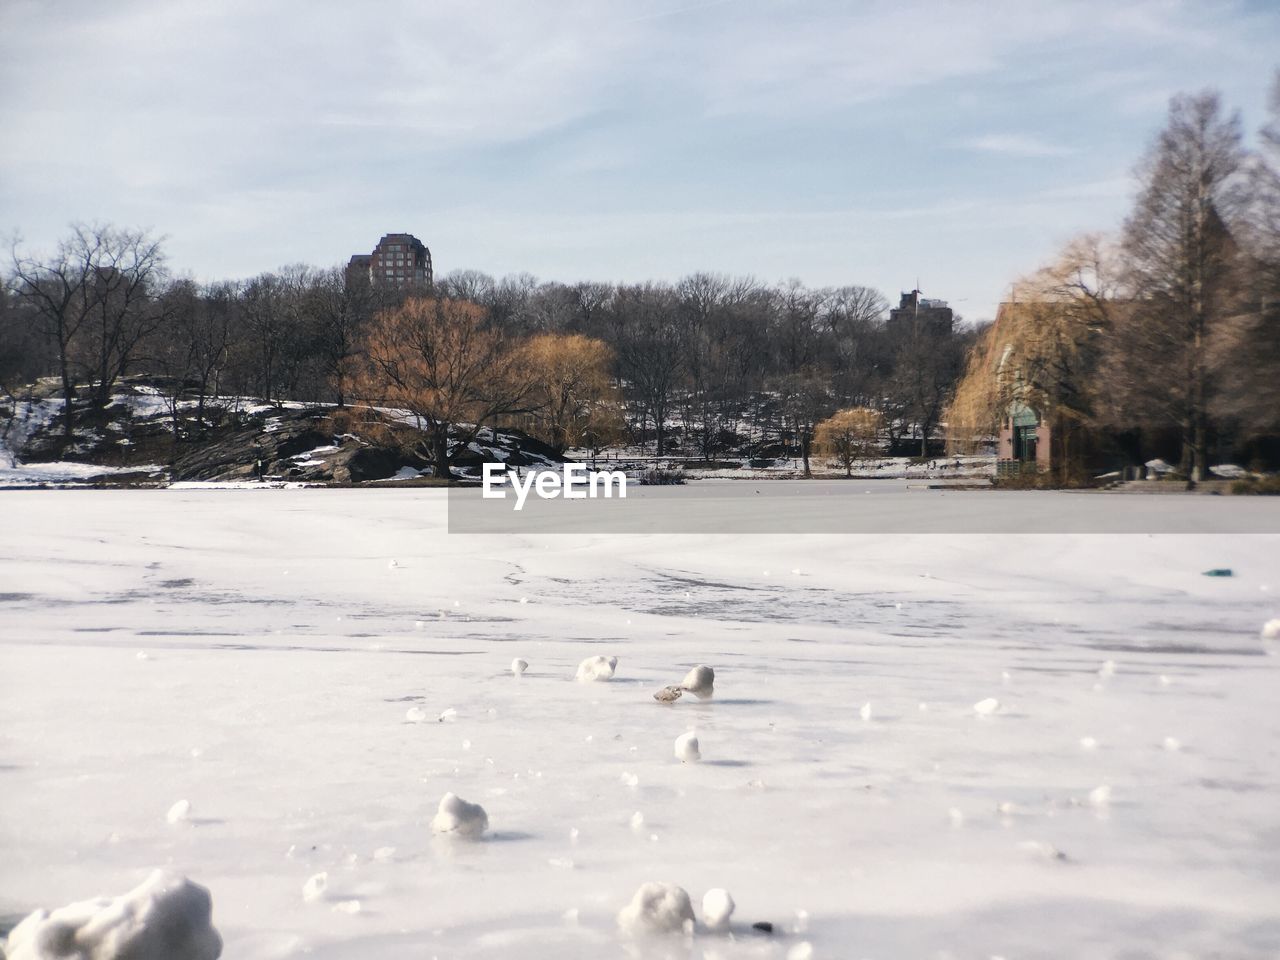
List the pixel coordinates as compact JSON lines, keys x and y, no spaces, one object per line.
{"x":659,"y":477}
{"x":1263,"y":486}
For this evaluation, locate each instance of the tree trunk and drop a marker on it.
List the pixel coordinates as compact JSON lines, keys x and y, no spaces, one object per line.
{"x":441,"y":443}
{"x":68,"y":399}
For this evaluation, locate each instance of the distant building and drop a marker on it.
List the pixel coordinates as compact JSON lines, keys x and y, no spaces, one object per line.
{"x":914,"y":312}
{"x":400,"y":259}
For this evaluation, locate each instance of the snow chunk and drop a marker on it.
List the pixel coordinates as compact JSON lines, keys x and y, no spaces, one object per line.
{"x":686,"y":747}
{"x":1271,"y":629}
{"x":717,"y":908}
{"x":166,"y":917}
{"x":865,"y":712}
{"x":315,"y":887}
{"x":597,"y":668}
{"x":180,"y":812}
{"x":700,"y":681}
{"x":457,"y":817}
{"x":519,"y":666}
{"x":985,"y":708}
{"x":657,"y":908}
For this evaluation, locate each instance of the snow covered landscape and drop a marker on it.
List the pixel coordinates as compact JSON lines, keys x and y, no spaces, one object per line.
{"x":963,"y":746}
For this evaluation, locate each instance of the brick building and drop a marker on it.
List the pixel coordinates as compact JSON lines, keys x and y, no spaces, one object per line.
{"x":914,"y":312}
{"x":400,"y":259}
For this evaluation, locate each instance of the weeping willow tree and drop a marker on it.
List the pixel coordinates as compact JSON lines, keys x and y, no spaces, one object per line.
{"x":1041,"y":353}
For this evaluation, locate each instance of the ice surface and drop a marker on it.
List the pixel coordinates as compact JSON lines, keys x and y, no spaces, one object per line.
{"x":300,"y":722}
{"x":166,"y":917}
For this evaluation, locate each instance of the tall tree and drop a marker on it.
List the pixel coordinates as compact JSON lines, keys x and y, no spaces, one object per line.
{"x":439,"y":360}
{"x":1181,"y":257}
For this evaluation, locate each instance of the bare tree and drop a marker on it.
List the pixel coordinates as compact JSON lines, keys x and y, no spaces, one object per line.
{"x":95,"y":300}
{"x":437,"y":359}
{"x":1182,"y":259}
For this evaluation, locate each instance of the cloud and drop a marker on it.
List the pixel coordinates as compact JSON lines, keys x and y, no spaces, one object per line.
{"x":1016,"y":145}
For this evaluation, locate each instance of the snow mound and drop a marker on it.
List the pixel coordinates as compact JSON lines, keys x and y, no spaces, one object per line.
{"x":180,"y":812}
{"x":166,"y":917}
{"x":519,"y":666}
{"x":657,"y":908}
{"x":700,"y":681}
{"x":686,"y":747}
{"x":457,"y":817}
{"x":985,"y":708}
{"x":717,"y":908}
{"x":597,"y":668}
{"x":315,"y":887}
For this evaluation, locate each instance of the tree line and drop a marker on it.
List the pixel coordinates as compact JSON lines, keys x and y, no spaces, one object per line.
{"x":701,"y":367}
{"x":1164,"y":338}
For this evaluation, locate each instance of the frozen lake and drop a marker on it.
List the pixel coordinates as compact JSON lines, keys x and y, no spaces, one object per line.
{"x":257,"y":653}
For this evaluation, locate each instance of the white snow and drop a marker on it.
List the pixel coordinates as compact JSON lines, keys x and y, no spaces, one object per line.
{"x":315,"y":887}
{"x":597,"y":668}
{"x":299,"y":720}
{"x":457,"y":817}
{"x":180,"y":812}
{"x":717,"y":908}
{"x":686,"y":748}
{"x":700,"y":681}
{"x":166,"y":917}
{"x":657,"y":908}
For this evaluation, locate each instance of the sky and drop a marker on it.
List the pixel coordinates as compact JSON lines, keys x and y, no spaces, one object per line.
{"x":954,"y":145}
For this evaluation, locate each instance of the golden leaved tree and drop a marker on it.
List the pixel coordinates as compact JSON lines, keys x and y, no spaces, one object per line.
{"x":1043,"y":351}
{"x":573,"y":396}
{"x":849,"y":436}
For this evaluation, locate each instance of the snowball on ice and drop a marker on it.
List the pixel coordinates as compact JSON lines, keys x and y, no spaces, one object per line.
{"x":180,"y":812}
{"x":985,"y":708}
{"x":700,"y":681}
{"x":166,"y":917}
{"x":657,"y":908}
{"x":519,"y":666}
{"x":315,"y":887}
{"x":597,"y":668}
{"x":686,"y":747}
{"x":668,"y":694}
{"x":717,"y":908}
{"x":457,"y":817}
